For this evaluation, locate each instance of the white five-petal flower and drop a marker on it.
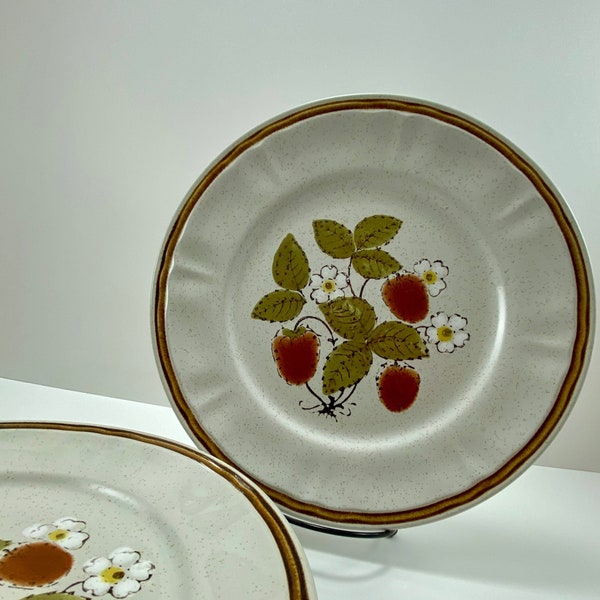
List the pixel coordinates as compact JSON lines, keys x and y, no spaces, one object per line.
{"x":446,"y":332}
{"x":120,"y":573}
{"x":433,"y":274}
{"x":67,"y":533}
{"x":328,"y":284}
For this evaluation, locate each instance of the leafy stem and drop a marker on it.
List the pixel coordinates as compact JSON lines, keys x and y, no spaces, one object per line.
{"x":350,"y":278}
{"x":362,"y":288}
{"x":332,"y":339}
{"x":331,"y":406}
{"x":321,"y":402}
{"x":71,"y":586}
{"x":339,"y":404}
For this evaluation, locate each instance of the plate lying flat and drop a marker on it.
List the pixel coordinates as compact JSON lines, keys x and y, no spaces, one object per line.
{"x":377,"y":308}
{"x":91,"y":511}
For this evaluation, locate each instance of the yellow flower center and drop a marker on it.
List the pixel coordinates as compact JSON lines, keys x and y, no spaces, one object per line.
{"x":445,"y":333}
{"x":112,"y":575}
{"x":430,"y":277}
{"x":58,"y":534}
{"x":328,"y":286}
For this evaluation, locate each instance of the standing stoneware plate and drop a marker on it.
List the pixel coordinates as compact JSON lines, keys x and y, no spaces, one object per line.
{"x":93,"y":512}
{"x":377,"y":308}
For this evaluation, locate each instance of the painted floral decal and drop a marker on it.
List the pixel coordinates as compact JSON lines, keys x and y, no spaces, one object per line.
{"x":46,"y":558}
{"x":328,"y":284}
{"x":433,"y":274}
{"x":343,"y":317}
{"x":120,"y":573}
{"x":447,"y":333}
{"x":67,"y":533}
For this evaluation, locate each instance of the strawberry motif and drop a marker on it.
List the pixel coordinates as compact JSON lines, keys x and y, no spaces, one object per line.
{"x":296,"y":354}
{"x":398,"y":387}
{"x":346,"y":318}
{"x":406,"y":296}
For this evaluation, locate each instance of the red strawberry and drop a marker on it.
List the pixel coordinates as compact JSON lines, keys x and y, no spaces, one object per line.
{"x":398,"y":387}
{"x":406,"y":296}
{"x":296,"y":354}
{"x":35,"y":564}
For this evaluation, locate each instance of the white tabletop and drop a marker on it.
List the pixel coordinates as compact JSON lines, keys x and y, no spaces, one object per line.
{"x":537,"y":538}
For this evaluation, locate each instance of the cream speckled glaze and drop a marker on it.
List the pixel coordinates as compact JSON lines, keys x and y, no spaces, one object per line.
{"x":515,"y":271}
{"x":179,"y":522}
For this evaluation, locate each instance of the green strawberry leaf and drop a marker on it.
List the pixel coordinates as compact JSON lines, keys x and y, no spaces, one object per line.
{"x":280,"y":306}
{"x":290,"y":265}
{"x":397,"y":341}
{"x":376,"y":231}
{"x":4,"y":543}
{"x":333,"y":238}
{"x":375,"y":264}
{"x":352,"y":318}
{"x":346,"y":365}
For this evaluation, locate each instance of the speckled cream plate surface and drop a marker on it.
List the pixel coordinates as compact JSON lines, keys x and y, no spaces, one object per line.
{"x":96,"y":512}
{"x":377,"y":308}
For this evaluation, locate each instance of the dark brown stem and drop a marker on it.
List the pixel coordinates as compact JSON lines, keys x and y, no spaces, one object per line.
{"x":349,"y":279}
{"x":321,"y":401}
{"x":70,"y":586}
{"x":331,"y":337}
{"x":340,"y":404}
{"x":362,"y":288}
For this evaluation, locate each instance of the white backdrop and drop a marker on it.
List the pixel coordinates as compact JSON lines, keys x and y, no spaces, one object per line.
{"x":109,"y":111}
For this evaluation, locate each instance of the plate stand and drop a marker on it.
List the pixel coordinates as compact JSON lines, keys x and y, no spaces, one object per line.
{"x":378,"y":533}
